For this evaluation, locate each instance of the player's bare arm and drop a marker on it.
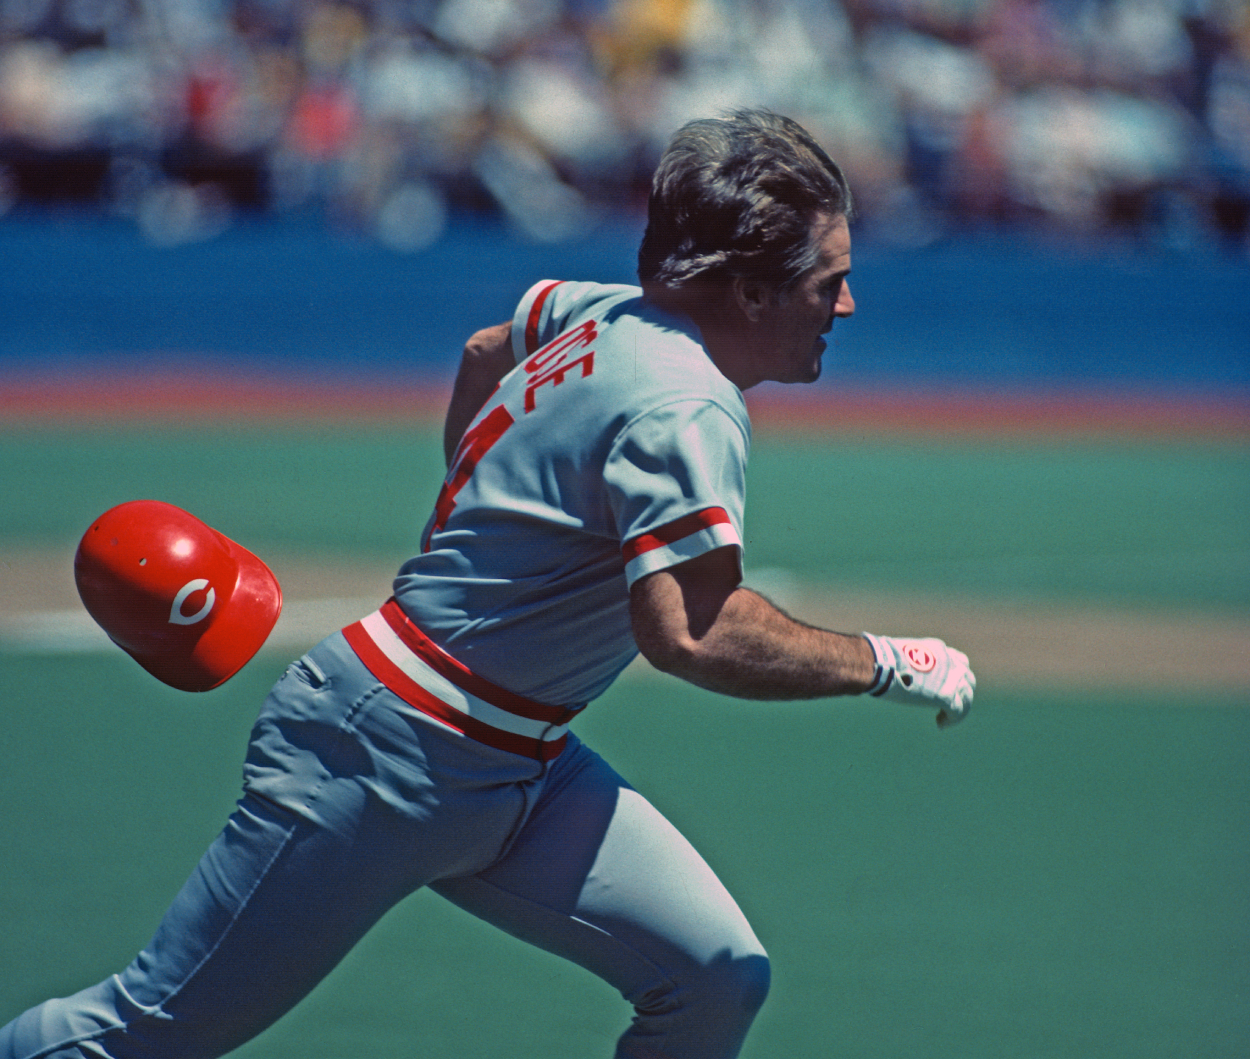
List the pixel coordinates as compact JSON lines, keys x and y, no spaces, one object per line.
{"x":486,"y":359}
{"x":695,"y":622}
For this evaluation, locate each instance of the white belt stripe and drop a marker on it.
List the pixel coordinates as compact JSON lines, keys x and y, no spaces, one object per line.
{"x":443,"y":689}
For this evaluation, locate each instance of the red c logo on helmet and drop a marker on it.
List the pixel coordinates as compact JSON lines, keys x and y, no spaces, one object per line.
{"x":176,"y":617}
{"x":922,"y":659}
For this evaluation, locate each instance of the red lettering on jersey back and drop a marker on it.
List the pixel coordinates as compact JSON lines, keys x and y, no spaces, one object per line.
{"x":552,"y":363}
{"x":473,"y":446}
{"x":556,"y":376}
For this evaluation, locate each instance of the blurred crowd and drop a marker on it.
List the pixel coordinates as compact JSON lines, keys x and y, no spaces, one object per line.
{"x":1087,"y":116}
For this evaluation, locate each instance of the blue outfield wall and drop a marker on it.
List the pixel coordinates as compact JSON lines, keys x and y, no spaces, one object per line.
{"x":994,"y":312}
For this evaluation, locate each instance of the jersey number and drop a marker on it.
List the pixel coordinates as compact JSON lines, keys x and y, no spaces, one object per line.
{"x":473,"y":446}
{"x":549,"y":365}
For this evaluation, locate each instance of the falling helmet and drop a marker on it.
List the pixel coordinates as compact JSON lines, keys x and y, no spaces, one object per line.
{"x":187,"y":603}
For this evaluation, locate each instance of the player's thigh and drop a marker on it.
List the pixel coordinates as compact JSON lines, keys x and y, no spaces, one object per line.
{"x":273,"y":905}
{"x":601,"y":877}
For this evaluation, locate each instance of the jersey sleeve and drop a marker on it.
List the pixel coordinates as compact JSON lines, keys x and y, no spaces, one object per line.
{"x":676,"y":480}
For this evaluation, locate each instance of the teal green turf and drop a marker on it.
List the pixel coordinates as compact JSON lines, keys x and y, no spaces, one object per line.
{"x":1140,"y":523}
{"x":364,"y":491}
{"x":1062,"y":877}
{"x":1108,"y":520}
{"x":1057,"y":877}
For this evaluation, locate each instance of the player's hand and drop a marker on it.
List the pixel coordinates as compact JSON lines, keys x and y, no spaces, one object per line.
{"x":924,"y":673}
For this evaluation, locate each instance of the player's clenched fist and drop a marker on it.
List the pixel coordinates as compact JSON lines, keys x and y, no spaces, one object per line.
{"x":923,"y":672}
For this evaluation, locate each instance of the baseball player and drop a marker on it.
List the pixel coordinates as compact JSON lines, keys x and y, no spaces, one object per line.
{"x":592,"y":509}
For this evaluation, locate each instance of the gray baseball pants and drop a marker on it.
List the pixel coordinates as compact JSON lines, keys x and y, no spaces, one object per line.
{"x":353,"y":800}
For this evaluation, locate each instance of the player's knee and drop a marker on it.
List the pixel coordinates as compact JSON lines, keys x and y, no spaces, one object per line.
{"x":726,"y":988}
{"x":743,"y":985}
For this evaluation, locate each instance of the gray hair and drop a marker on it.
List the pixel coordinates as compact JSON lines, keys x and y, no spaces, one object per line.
{"x":737,"y":197}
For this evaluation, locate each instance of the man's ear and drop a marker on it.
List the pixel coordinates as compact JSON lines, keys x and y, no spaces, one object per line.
{"x":751,"y":296}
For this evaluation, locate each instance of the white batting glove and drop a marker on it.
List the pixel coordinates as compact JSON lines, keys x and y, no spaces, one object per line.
{"x":923,"y":673}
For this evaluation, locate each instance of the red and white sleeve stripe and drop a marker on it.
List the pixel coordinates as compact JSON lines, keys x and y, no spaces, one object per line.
{"x":685,"y":538}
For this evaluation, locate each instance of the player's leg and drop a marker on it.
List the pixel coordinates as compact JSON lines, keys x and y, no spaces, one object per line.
{"x":599,"y":876}
{"x":343,"y":818}
{"x":269,"y":910}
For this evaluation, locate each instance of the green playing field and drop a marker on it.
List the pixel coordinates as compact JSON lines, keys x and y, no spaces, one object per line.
{"x":1058,"y":877}
{"x":1065,"y":875}
{"x":1145,"y":522}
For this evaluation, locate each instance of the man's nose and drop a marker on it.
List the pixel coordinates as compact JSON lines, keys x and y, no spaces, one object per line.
{"x":845,"y":305}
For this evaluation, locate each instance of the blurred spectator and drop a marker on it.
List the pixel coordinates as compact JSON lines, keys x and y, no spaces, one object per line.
{"x":391,"y":116}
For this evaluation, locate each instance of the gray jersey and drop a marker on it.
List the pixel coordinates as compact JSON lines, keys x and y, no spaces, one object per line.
{"x":614,"y":449}
{"x":404,"y":752}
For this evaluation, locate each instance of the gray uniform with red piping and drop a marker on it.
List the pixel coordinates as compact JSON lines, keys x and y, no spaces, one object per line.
{"x":429,"y":743}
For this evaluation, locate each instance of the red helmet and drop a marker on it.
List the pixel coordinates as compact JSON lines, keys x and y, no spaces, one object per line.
{"x":188,"y":604}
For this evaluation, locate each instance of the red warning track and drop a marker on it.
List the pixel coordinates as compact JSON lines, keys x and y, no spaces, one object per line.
{"x":190,"y":399}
